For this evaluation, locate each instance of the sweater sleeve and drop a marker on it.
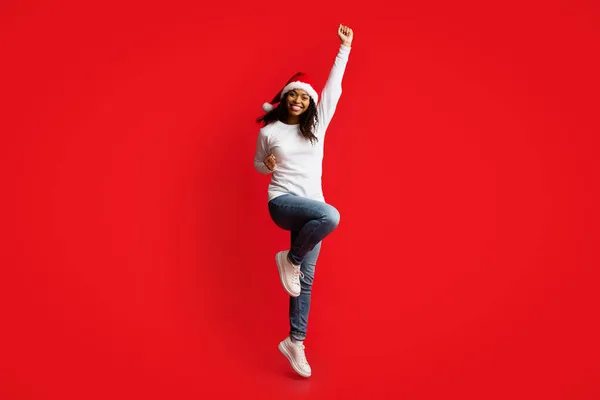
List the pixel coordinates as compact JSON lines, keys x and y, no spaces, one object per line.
{"x":261,"y":153}
{"x":333,"y":87}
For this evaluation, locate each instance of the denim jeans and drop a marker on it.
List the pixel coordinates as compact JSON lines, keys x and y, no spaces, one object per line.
{"x":309,"y":222}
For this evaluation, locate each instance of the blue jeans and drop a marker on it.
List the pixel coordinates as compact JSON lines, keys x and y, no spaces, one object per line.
{"x":309,"y":222}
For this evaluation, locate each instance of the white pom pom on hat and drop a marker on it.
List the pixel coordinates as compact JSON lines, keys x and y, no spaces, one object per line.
{"x":299,"y":80}
{"x":267,"y":107}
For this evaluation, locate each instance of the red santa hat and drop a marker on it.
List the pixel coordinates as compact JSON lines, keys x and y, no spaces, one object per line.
{"x":299,"y":81}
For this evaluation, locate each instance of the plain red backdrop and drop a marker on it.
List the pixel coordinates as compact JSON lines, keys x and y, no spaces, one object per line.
{"x":138,"y":250}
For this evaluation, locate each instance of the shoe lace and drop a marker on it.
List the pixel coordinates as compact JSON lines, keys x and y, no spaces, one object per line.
{"x":302,"y":355}
{"x":297,"y":271}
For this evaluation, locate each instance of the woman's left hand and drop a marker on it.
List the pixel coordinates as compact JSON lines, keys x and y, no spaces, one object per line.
{"x":345,"y":34}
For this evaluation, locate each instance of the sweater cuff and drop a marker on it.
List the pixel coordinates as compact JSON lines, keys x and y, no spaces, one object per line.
{"x":262,"y":168}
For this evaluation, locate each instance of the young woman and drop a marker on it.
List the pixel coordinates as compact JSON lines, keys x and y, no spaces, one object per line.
{"x":290,"y":146}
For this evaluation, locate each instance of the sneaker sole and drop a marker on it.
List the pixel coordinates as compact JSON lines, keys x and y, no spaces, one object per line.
{"x":286,"y":353}
{"x":281,"y":275}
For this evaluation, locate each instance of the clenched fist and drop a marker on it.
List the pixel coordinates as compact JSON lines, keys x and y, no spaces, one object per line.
{"x":270,"y":162}
{"x":346,"y":35}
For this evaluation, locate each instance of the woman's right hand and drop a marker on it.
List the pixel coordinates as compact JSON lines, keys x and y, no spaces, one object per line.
{"x":270,"y":162}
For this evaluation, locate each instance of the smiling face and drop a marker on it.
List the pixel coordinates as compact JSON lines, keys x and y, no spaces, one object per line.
{"x":297,"y":102}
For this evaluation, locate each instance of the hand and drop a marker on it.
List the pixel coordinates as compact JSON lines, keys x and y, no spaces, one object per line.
{"x":270,"y":162}
{"x":346,"y":35}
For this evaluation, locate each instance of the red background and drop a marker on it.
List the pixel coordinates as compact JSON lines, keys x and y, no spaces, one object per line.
{"x":138,"y":257}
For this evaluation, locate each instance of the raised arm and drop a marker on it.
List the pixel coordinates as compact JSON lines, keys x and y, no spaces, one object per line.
{"x":333,"y":87}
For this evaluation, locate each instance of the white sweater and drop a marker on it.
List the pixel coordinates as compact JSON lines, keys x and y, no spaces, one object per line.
{"x":299,"y":162}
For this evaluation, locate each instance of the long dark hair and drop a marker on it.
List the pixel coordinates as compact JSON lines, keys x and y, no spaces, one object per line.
{"x":308,"y":119}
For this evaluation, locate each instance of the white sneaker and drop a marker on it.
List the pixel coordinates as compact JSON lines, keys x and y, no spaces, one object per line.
{"x":288,"y":273}
{"x":294,"y":352}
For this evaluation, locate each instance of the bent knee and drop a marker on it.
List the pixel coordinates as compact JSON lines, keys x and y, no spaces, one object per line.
{"x":333,"y":216}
